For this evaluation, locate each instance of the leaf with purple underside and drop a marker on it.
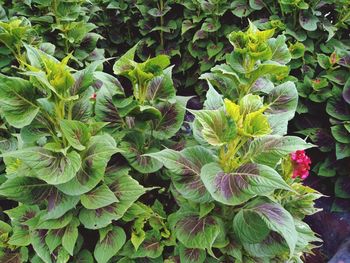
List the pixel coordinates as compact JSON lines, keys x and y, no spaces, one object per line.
{"x":338,"y":108}
{"x":125,"y":188}
{"x":136,"y":153}
{"x":185,"y":168}
{"x":270,"y":149}
{"x":195,"y":232}
{"x":244,"y":183}
{"x":273,"y":216}
{"x":95,"y":157}
{"x":191,"y":255}
{"x":283,"y":101}
{"x":109,"y":243}
{"x":170,"y":121}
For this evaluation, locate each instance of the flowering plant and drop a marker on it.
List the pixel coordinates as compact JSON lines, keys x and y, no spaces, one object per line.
{"x":301,"y":164}
{"x":237,"y":199}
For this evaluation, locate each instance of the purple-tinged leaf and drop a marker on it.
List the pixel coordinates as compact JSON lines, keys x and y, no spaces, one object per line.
{"x":242,"y":184}
{"x":273,"y":217}
{"x":191,"y":255}
{"x":346,"y":91}
{"x":185,"y":168}
{"x":195,"y":232}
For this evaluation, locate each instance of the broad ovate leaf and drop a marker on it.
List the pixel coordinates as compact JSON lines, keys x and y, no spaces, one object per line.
{"x":161,"y":87}
{"x":244,"y":183}
{"x":18,"y":101}
{"x":76,"y":133}
{"x":99,"y":197}
{"x":126,"y":189}
{"x":283,"y":101}
{"x":124,"y":63}
{"x":185,"y":168}
{"x":280,"y":51}
{"x":191,"y":255}
{"x":272,"y":216}
{"x":270,"y":149}
{"x":170,"y":121}
{"x":26,"y":190}
{"x":52,"y":167}
{"x":195,"y":232}
{"x":70,"y":236}
{"x":213,"y":100}
{"x":136,"y":154}
{"x":95,"y":157}
{"x":217,"y":129}
{"x":109,"y":243}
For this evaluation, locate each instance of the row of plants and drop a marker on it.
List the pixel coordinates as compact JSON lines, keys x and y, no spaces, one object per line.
{"x":194,"y":35}
{"x":97,"y":169}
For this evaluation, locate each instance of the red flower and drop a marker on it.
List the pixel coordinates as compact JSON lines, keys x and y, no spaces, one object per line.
{"x":301,"y":164}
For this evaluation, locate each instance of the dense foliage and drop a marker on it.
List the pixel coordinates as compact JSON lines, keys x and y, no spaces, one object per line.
{"x":101,"y":162}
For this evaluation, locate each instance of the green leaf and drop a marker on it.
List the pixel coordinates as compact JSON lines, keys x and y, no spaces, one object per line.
{"x":55,"y":223}
{"x":273,"y":216}
{"x":279,"y":49}
{"x":161,"y":87}
{"x":23,"y":214}
{"x":186,"y":25}
{"x":70,"y":236}
{"x":308,"y":21}
{"x":84,"y":78}
{"x":240,"y":8}
{"x":109,"y":246}
{"x":105,"y":109}
{"x":257,"y":4}
{"x":95,"y":157}
{"x":338,"y":108}
{"x":53,"y":168}
{"x":26,"y":190}
{"x":244,"y":183}
{"x":125,"y":188}
{"x":217,"y":129}
{"x":20,"y":237}
{"x":283,"y":101}
{"x":76,"y":133}
{"x":271,"y":68}
{"x":37,"y":239}
{"x":340,"y":133}
{"x":213,"y":49}
{"x":214,"y":100}
{"x":98,"y":197}
{"x":297,"y":50}
{"x":84,"y":256}
{"x":269,"y":150}
{"x":123,"y":64}
{"x":172,"y":116}
{"x":346,"y":91}
{"x":210,"y":25}
{"x":185,"y":168}
{"x":17,"y":101}
{"x":53,"y":238}
{"x":191,"y":255}
{"x":323,"y":61}
{"x":58,"y":204}
{"x":195,"y":232}
{"x":135,"y":153}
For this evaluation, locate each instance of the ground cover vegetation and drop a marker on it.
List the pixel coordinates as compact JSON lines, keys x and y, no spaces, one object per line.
{"x":170,"y":131}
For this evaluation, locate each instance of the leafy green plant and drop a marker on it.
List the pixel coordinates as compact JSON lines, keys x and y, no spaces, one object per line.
{"x":233,"y":186}
{"x":82,"y":151}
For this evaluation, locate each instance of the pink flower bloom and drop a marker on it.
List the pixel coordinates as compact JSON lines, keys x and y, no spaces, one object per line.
{"x":301,"y":164}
